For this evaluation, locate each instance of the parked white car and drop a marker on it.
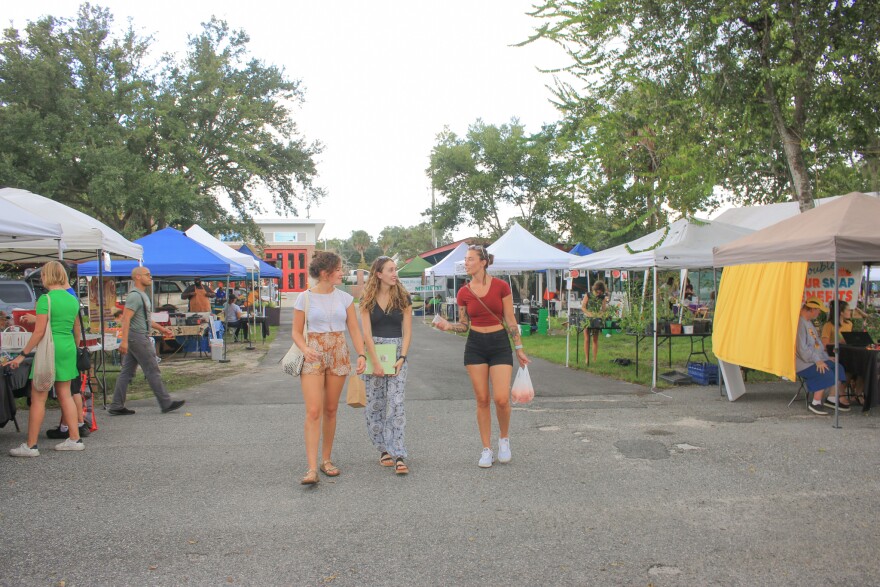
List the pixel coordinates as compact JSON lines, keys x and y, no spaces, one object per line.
{"x":165,"y":292}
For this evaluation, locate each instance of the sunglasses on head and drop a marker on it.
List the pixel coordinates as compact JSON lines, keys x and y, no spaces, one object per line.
{"x":481,"y":250}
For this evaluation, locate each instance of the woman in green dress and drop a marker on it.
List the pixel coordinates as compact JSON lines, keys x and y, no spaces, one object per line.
{"x":61,"y":317}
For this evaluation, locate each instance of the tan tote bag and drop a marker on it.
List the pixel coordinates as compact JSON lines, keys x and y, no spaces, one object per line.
{"x":44,"y":356}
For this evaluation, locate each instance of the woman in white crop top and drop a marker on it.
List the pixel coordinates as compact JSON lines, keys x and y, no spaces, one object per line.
{"x":327,"y":362}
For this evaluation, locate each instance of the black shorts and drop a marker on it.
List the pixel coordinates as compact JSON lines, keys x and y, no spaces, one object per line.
{"x":491,"y":348}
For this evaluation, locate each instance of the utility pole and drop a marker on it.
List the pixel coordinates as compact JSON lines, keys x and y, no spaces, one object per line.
{"x":433,"y":229}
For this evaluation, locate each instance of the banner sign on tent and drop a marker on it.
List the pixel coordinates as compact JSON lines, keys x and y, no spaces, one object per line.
{"x":820,"y":281}
{"x":109,"y":299}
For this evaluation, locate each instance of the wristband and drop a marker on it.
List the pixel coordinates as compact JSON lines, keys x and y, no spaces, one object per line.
{"x":402,"y":357}
{"x":364,"y":356}
{"x":517,"y":347}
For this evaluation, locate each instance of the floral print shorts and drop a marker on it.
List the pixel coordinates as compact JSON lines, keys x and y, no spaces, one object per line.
{"x":334,"y":354}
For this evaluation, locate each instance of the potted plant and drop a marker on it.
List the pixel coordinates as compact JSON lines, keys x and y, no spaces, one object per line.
{"x":687,"y":322}
{"x":273,"y":314}
{"x":664,"y":318}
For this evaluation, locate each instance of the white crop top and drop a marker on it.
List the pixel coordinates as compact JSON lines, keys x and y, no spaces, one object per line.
{"x":327,"y":312}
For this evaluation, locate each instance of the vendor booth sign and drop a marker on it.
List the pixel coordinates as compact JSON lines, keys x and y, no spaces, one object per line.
{"x":109,"y":299}
{"x":820,"y":281}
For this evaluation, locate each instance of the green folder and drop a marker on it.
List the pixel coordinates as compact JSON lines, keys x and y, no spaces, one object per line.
{"x":387,"y":357}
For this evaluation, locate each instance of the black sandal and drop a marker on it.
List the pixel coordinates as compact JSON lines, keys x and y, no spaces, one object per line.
{"x":400,"y":467}
{"x":385,"y":460}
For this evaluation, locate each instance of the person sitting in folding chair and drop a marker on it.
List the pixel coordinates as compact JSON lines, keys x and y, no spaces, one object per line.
{"x":812,"y":362}
{"x":234,"y":318}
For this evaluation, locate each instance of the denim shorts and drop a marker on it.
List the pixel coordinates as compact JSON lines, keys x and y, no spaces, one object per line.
{"x":816,"y":381}
{"x":492,"y":348}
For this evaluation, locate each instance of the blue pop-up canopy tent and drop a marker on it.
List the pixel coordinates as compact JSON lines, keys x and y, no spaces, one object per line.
{"x":581,"y":250}
{"x":170,"y":253}
{"x":266,"y":270}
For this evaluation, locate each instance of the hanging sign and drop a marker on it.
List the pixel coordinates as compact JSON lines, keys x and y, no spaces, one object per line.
{"x":820,"y":281}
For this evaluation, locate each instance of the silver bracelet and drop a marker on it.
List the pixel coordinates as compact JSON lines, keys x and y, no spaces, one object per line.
{"x":517,"y":347}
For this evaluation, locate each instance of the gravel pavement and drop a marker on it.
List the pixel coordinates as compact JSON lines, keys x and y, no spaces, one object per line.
{"x":609,"y":485}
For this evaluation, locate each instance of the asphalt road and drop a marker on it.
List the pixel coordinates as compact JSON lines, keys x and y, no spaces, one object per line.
{"x":609,"y":485}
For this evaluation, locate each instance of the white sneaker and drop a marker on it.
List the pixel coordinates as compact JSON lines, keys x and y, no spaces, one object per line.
{"x":486,"y":458}
{"x":24,"y":451}
{"x":504,"y":450}
{"x":69,"y":444}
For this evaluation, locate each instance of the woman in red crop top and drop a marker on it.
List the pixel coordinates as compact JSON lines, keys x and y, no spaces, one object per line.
{"x":487,"y":354}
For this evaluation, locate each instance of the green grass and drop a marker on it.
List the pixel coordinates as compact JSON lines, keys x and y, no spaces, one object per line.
{"x":619,"y":345}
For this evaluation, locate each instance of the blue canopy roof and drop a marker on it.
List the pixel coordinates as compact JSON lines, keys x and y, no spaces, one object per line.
{"x":266,"y":271}
{"x":170,"y":253}
{"x":581,"y":249}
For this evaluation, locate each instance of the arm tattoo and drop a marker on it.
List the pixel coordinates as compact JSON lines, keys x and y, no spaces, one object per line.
{"x":464,"y":321}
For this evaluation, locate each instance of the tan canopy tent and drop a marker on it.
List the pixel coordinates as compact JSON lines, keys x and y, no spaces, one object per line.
{"x":842,"y":231}
{"x":846,"y":230}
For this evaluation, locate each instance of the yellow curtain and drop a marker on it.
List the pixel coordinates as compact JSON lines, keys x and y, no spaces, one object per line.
{"x":756,"y":316}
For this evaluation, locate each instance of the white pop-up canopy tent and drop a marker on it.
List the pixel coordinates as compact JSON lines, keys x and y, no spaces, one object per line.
{"x":684,"y":244}
{"x":446,"y":267}
{"x":81,"y":235}
{"x":519,"y":250}
{"x":19,"y":225}
{"x":201,"y":236}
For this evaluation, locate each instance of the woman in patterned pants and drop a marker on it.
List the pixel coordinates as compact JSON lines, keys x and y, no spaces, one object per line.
{"x":386,"y":318}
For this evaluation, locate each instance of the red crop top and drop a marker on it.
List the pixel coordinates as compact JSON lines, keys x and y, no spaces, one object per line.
{"x":480,"y":316}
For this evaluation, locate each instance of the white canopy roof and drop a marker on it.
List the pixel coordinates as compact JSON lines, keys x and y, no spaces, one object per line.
{"x":687,"y":245}
{"x":82,"y":236}
{"x":198,"y":234}
{"x":519,"y":250}
{"x":18,"y":225}
{"x":446,"y":267}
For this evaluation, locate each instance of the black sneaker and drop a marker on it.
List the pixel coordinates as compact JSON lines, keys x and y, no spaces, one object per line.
{"x":56,"y":433}
{"x":173,"y":406}
{"x":120,"y":412}
{"x":830,"y":405}
{"x":818,"y":409}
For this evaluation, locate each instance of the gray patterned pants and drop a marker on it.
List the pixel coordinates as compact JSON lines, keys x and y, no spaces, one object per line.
{"x":386,"y":419}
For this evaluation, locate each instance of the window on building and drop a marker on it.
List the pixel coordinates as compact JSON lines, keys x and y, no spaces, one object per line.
{"x":290,"y":264}
{"x":302,"y":260}
{"x":291,"y":284}
{"x":289,"y":237}
{"x":302,"y":281}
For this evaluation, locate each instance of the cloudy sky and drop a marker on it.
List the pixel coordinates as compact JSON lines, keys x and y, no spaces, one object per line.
{"x":382,"y":79}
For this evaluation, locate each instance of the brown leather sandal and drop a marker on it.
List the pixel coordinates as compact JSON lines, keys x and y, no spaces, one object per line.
{"x":329,"y":469}
{"x":311,"y":478}
{"x":400,"y":467}
{"x":385,"y":460}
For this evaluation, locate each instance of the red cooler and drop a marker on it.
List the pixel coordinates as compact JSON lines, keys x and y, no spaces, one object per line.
{"x":16,"y":319}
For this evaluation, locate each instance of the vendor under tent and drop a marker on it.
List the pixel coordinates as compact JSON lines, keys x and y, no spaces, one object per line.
{"x":199,"y":234}
{"x":687,"y":243}
{"x":446,"y":268}
{"x":842,"y":231}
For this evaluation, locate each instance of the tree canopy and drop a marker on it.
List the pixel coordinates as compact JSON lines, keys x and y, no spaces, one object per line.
{"x":766,"y":99}
{"x":497,"y":174}
{"x":86,"y":121}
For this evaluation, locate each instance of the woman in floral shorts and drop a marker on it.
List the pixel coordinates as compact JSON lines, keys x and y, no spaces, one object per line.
{"x":327,"y":362}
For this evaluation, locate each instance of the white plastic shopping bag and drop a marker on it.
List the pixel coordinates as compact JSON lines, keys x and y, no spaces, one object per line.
{"x":522,"y":391}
